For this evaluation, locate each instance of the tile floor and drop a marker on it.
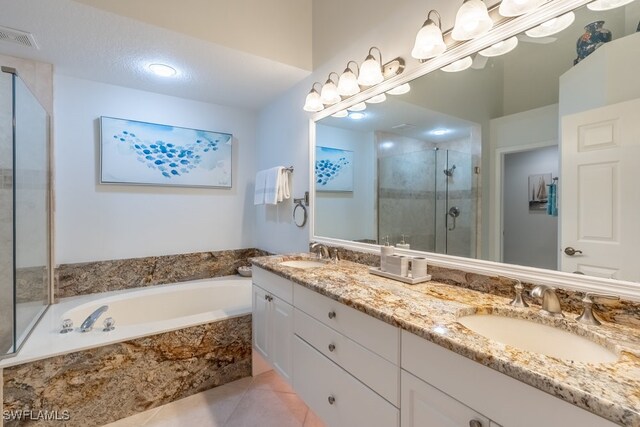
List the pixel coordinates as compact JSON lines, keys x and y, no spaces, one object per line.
{"x":262,"y":401}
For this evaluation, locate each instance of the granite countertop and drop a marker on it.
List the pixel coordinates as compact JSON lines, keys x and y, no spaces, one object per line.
{"x":430,"y":310}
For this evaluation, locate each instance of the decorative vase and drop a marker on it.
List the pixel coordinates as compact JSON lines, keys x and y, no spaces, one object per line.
{"x":594,"y":36}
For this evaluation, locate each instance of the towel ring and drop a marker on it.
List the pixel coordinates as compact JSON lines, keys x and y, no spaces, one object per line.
{"x":299,"y":222}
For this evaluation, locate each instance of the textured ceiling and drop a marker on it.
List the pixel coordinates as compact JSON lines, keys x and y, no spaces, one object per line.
{"x":86,"y":42}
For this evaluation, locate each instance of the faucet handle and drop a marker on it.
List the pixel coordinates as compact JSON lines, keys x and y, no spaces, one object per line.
{"x":517,"y":300}
{"x":335,"y":257}
{"x":587,"y":317}
{"x":67,"y":326}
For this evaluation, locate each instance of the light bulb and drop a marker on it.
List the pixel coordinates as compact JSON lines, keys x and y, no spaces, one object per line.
{"x":341,"y":113}
{"x":348,"y":83}
{"x":313,"y":103}
{"x":500,"y":48}
{"x":552,"y":26}
{"x":459,"y":65}
{"x":376,"y":99}
{"x":329,"y":93}
{"x":370,"y":72}
{"x":429,"y":41}
{"x":472,"y":20}
{"x":518,"y":7}
{"x":358,"y":107}
{"x":607,"y":4}
{"x":400,"y":90}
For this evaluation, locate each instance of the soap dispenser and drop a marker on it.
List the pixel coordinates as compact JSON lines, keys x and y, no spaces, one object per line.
{"x":403,"y":244}
{"x":385,"y":251}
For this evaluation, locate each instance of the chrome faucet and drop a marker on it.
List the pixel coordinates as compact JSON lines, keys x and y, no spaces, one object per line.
{"x":87,"y":325}
{"x":550,"y":301}
{"x":321,"y":250}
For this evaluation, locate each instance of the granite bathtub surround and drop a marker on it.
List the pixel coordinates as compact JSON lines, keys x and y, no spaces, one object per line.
{"x":623,"y":312}
{"x":104,"y":384}
{"x":104,"y":276}
{"x":430,"y":310}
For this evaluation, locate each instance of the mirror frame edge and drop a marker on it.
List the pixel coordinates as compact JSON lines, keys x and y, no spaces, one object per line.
{"x":508,"y":28}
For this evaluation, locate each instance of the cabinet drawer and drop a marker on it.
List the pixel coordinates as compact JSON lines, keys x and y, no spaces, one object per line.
{"x":379,"y":337}
{"x":316,"y":379}
{"x":492,"y":393}
{"x":274,"y":284}
{"x":373,"y":370}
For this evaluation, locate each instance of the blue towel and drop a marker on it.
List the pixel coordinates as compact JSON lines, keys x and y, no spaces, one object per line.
{"x":552,"y":200}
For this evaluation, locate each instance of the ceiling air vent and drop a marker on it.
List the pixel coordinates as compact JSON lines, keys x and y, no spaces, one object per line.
{"x":404,"y":126}
{"x":18,"y":37}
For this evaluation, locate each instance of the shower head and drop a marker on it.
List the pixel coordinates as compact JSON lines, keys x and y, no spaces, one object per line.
{"x":449,"y":172}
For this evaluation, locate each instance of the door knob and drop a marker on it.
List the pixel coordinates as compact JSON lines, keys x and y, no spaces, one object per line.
{"x":571,"y":252}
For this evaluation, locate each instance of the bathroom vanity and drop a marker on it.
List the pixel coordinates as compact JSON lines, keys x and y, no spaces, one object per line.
{"x":365,"y":350}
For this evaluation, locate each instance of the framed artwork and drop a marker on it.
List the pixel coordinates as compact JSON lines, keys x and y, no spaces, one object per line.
{"x":538,"y":191}
{"x":334,"y":169}
{"x":139,"y":153}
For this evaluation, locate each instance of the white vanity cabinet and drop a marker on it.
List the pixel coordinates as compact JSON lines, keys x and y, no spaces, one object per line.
{"x":272,"y":321}
{"x":346,"y":363}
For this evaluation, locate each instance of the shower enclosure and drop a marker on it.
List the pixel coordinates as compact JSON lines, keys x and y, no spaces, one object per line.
{"x":428,"y":196}
{"x":25,"y":266}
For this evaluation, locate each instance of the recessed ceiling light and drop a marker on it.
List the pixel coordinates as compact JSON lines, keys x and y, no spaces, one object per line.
{"x":440,"y":131}
{"x":162,"y":70}
{"x":357,"y":116}
{"x":387,"y":144}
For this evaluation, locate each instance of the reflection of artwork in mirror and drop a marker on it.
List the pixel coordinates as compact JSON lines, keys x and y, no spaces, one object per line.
{"x":135,"y":152}
{"x":538,"y":197}
{"x":334,"y":169}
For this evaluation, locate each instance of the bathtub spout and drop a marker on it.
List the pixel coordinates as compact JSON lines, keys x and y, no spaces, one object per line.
{"x":87,"y":325}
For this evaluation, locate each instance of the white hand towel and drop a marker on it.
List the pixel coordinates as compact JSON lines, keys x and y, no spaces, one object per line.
{"x":260,"y":186}
{"x":272,"y":184}
{"x":283,"y":188}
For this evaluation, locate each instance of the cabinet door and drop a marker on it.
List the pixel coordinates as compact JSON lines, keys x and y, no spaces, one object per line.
{"x":423,"y":405}
{"x":260,"y":322}
{"x":281,"y":334}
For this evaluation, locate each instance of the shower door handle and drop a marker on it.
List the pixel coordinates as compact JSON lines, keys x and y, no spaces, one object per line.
{"x":454,"y":213}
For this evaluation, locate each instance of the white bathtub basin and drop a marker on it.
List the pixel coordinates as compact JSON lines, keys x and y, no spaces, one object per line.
{"x":538,"y":338}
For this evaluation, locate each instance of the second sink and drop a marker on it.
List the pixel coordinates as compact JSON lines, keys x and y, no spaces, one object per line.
{"x":303,"y":263}
{"x":538,"y":338}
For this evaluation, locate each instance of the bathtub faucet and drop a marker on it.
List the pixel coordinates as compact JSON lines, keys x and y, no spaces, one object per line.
{"x":87,"y":325}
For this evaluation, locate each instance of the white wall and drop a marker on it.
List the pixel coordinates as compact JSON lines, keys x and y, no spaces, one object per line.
{"x":101,"y":222}
{"x":350,"y":215}
{"x":530,"y":238}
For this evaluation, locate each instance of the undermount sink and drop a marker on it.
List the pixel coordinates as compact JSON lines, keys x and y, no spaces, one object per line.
{"x":538,"y":338}
{"x":303,"y":263}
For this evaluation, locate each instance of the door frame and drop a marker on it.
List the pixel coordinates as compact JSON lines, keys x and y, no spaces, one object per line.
{"x":497,"y":219}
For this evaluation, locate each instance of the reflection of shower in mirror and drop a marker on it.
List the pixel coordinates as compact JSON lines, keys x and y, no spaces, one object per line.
{"x":449,"y":172}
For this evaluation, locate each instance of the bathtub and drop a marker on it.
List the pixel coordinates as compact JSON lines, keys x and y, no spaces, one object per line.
{"x":137,"y":313}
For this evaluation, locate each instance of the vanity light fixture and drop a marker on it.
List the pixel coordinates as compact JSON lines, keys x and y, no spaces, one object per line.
{"x":371,"y":70}
{"x":329,"y":92}
{"x":511,"y":8}
{"x":313,"y":103}
{"x":358,"y":107}
{"x":472,"y":20}
{"x":552,"y":26}
{"x":357,"y":116}
{"x":459,"y":65}
{"x":429,"y":41}
{"x":340,"y":114}
{"x":162,"y":70}
{"x":348,"y":81}
{"x":399,"y":90}
{"x":607,"y":4}
{"x":376,"y":99}
{"x":500,"y":48}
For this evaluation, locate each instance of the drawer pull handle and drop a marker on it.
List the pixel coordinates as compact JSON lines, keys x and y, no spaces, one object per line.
{"x":475,"y":423}
{"x":332,"y":347}
{"x":332,"y":315}
{"x":331,"y":400}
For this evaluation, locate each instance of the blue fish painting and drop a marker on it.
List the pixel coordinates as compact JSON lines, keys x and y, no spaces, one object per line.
{"x":334,"y":169}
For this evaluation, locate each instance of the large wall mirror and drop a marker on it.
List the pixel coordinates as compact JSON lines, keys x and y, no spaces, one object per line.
{"x":529,"y":158}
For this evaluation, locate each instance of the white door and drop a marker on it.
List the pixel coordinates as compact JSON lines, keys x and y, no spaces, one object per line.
{"x":281,"y":336}
{"x":259,"y":321}
{"x":599,"y":192}
{"x":426,"y":406}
